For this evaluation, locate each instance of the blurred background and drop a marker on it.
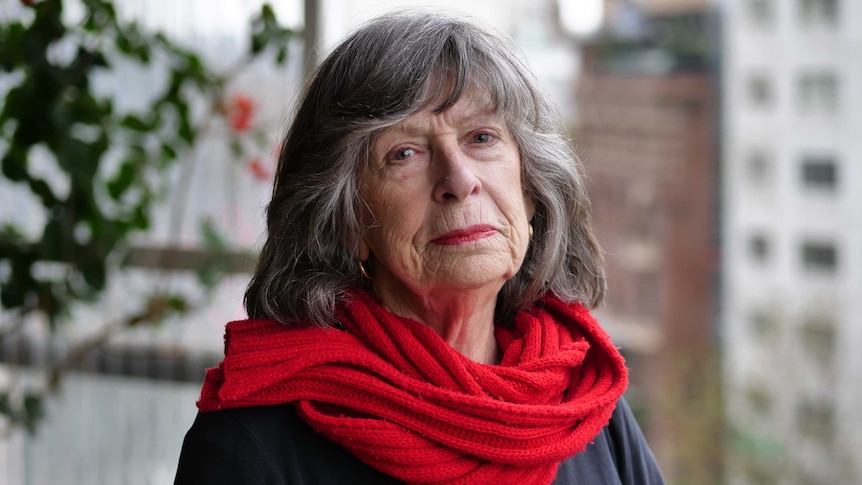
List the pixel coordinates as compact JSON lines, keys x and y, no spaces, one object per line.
{"x":722,"y":142}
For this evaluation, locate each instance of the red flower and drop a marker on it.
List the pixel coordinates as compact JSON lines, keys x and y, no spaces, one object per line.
{"x":28,"y":3}
{"x":240,"y":112}
{"x":258,"y":170}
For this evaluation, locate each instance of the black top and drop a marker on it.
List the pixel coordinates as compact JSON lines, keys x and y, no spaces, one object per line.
{"x":272,"y":445}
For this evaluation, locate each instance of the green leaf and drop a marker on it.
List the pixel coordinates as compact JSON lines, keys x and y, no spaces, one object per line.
{"x":14,"y":164}
{"x":11,"y":54}
{"x":118,"y":185}
{"x":178,"y":303}
{"x":33,"y":411}
{"x":55,"y":237}
{"x":48,"y":22}
{"x":140,"y":220}
{"x":94,"y":274}
{"x":235,"y":147}
{"x":81,"y":160}
{"x":267,"y":13}
{"x":281,"y":55}
{"x":42,"y":190}
{"x":168,"y":152}
{"x":185,"y":131}
{"x":125,"y":45}
{"x":136,"y":124}
{"x":11,"y":295}
{"x":10,"y":234}
{"x":212,"y":239}
{"x":211,"y":273}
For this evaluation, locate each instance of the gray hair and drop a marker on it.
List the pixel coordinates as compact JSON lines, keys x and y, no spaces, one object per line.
{"x":390,"y":68}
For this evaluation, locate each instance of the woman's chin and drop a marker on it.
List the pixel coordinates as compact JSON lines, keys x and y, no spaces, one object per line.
{"x":473,"y":272}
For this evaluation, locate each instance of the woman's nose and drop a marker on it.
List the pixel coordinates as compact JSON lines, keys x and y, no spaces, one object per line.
{"x":456,"y":176}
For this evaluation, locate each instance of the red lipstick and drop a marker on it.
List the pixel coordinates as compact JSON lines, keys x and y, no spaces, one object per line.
{"x":462,"y":236}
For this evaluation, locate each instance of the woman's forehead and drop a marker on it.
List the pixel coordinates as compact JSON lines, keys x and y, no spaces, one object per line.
{"x":473,"y":103}
{"x":464,"y":112}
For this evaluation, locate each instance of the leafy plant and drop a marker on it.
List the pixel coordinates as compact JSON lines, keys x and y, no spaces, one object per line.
{"x":107,"y":166}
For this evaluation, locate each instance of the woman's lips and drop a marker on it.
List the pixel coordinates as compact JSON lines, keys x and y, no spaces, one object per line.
{"x":461,"y":236}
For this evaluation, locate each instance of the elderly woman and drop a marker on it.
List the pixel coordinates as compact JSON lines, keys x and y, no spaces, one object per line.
{"x":418,"y":313}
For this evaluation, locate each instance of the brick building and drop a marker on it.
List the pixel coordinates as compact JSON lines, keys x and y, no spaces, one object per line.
{"x":647,"y":136}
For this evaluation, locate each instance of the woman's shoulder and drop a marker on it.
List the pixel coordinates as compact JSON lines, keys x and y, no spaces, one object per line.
{"x":273,"y":445}
{"x":265,"y":444}
{"x":619,"y":455}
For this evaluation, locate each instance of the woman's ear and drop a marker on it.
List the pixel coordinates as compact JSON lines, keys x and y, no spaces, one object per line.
{"x":530,"y":205}
{"x":363,"y":251}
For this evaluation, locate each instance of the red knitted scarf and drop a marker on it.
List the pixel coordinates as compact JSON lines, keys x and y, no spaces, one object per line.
{"x":401,"y":399}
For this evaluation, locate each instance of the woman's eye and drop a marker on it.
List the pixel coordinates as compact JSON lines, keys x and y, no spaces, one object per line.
{"x":482,"y":138}
{"x":403,"y":154}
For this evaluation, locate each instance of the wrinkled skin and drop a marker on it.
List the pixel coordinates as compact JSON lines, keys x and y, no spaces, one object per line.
{"x":447,"y":220}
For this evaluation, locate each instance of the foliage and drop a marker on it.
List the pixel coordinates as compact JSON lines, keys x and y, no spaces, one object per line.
{"x":108,"y":166}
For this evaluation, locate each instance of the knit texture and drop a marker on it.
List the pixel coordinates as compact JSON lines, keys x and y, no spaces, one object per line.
{"x":401,"y":399}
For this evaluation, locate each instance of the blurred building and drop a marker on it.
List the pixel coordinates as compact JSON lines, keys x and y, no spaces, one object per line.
{"x":792,"y":288}
{"x":646,"y":131}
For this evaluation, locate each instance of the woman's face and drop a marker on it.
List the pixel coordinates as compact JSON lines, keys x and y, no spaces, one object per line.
{"x":444,"y":205}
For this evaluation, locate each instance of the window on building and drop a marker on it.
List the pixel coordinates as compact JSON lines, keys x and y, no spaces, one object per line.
{"x":646,"y":294}
{"x":815,"y":418}
{"x":818,"y":13}
{"x":761,"y":12}
{"x":641,"y":202}
{"x":818,"y":92}
{"x":819,"y":172}
{"x":759,"y":168}
{"x":759,"y":400}
{"x":759,"y":471}
{"x":818,"y":339}
{"x":759,"y":90}
{"x":763,"y":324}
{"x":819,"y":256}
{"x":758,"y":248}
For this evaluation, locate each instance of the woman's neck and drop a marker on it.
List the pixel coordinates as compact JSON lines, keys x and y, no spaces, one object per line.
{"x":463,"y":318}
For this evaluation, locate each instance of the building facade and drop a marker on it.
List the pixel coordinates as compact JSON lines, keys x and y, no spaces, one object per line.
{"x":792,"y":239}
{"x":647,"y":134}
